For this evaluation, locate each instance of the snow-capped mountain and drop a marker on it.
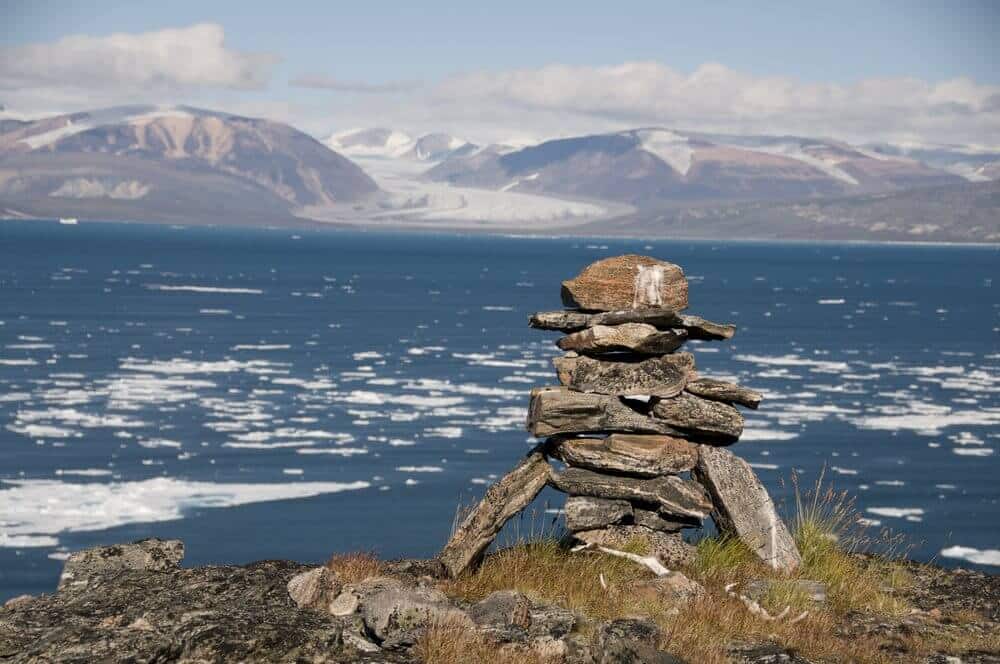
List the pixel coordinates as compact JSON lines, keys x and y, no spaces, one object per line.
{"x":974,"y":163}
{"x":654,"y":166}
{"x":381,"y":143}
{"x":180,"y":163}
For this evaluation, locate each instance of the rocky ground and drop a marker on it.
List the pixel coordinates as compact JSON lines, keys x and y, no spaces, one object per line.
{"x":133,"y":603}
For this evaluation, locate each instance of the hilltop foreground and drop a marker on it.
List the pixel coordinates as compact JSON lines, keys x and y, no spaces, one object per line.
{"x":532,"y":603}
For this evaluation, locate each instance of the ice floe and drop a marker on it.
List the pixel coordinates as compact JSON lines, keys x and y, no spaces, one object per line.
{"x":35,"y":512}
{"x":973,"y":555}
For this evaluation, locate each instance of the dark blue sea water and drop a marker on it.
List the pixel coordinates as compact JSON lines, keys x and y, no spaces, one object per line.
{"x":261,"y":394}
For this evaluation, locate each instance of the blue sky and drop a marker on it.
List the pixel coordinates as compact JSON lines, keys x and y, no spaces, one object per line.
{"x":380,"y":44}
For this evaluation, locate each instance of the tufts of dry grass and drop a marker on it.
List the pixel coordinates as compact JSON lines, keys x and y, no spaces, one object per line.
{"x":544,"y":570}
{"x":453,"y":642}
{"x":827,"y":531}
{"x":354,"y":567}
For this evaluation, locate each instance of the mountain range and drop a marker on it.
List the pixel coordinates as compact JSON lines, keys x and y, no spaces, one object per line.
{"x":187,"y":165}
{"x":175,"y":164}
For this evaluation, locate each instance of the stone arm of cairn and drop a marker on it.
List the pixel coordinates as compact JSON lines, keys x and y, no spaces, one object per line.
{"x":629,"y":417}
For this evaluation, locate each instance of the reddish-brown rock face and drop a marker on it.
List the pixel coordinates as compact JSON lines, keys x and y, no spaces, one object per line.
{"x":627,"y":282}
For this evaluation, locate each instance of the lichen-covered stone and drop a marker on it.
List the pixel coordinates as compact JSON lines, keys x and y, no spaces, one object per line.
{"x":628,"y":454}
{"x":588,"y":513}
{"x":669,"y":494}
{"x":661,"y":377}
{"x":149,"y":554}
{"x":559,"y":410}
{"x":505,"y":498}
{"x":718,"y":390}
{"x":711,"y":420}
{"x":314,"y":589}
{"x":629,"y":337}
{"x":659,"y":317}
{"x":744,"y":509}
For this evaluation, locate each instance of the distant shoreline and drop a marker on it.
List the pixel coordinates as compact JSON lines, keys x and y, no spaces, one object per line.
{"x":305,"y":224}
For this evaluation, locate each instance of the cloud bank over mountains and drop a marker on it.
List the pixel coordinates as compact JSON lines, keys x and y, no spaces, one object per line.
{"x":195,"y":65}
{"x":715,"y":97}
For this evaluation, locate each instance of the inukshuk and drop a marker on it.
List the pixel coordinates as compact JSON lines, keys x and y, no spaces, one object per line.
{"x":642,"y":437}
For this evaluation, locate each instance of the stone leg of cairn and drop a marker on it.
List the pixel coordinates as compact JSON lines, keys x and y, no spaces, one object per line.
{"x":503,"y":500}
{"x":629,"y":417}
{"x":742,"y":507}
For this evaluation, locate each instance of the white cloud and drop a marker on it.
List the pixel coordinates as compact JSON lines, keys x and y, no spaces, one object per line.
{"x":715,"y":97}
{"x":170,"y":59}
{"x":323,"y":82}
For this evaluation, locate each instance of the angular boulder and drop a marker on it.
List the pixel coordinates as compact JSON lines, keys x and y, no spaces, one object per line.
{"x":669,"y":494}
{"x":587,"y":513}
{"x":662,"y":377}
{"x":629,"y":337}
{"x":712,"y":420}
{"x":629,"y":454}
{"x":744,"y":509}
{"x":509,"y":616}
{"x":393,"y":610}
{"x":315,"y":589}
{"x":559,"y":410}
{"x":627,"y":282}
{"x":505,"y":498}
{"x":629,"y":641}
{"x":719,"y":390}
{"x":149,"y":554}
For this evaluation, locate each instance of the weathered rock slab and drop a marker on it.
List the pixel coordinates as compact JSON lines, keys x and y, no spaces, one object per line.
{"x":629,"y":454}
{"x":587,"y":513}
{"x":149,"y":554}
{"x":718,"y":390}
{"x":629,"y":337}
{"x":661,"y":377}
{"x":503,"y":500}
{"x":712,"y":420}
{"x":627,"y":282}
{"x":669,"y":494}
{"x":743,"y":507}
{"x":659,"y":317}
{"x":559,"y":410}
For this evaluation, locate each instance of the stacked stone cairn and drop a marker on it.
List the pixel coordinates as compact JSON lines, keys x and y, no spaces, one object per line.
{"x":641,"y":435}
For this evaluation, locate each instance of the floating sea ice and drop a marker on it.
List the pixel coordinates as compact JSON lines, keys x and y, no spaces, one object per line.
{"x":973,"y":451}
{"x":335,"y":451}
{"x":896,"y":512}
{"x":419,"y":469}
{"x":443,"y":432}
{"x":205,"y":289}
{"x":35,"y":511}
{"x":973,"y":555}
